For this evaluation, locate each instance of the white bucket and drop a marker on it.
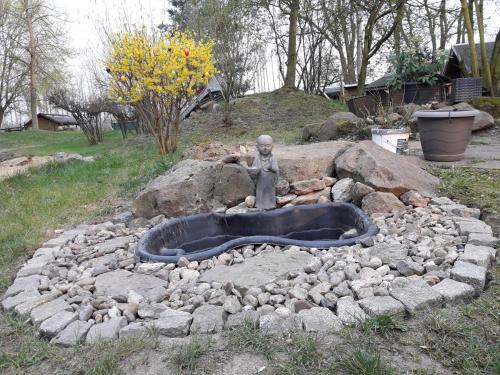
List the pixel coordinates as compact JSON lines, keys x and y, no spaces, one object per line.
{"x":394,"y":140}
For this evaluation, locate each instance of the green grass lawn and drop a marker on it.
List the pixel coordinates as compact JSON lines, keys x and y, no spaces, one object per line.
{"x":64,"y":194}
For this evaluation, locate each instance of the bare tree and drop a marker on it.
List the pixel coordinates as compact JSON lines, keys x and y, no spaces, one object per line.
{"x":13,"y":75}
{"x":46,"y":46}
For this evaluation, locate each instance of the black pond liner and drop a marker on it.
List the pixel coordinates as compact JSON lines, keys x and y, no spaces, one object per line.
{"x":203,"y":236}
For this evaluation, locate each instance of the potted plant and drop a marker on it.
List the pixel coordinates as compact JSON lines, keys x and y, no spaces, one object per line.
{"x":445,"y":134}
{"x":416,"y":75}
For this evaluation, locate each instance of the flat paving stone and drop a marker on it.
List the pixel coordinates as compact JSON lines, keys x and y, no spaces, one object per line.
{"x":242,"y":317}
{"x":417,"y":296}
{"x":45,"y":311}
{"x":479,"y":255}
{"x":24,"y":309}
{"x":24,"y":283}
{"x":113,"y":244}
{"x":468,"y":225}
{"x":454,"y":292}
{"x":389,"y":253}
{"x":320,"y":319}
{"x":274,"y":323}
{"x":482,"y":239}
{"x":105,"y":331}
{"x":73,"y":334}
{"x":56,"y":323}
{"x":172,"y":323}
{"x":470,"y":274}
{"x":10,"y":303}
{"x":379,"y":305}
{"x":349,"y":311}
{"x":259,"y":270}
{"x":121,"y":282}
{"x":208,"y":319}
{"x":134,"y":329}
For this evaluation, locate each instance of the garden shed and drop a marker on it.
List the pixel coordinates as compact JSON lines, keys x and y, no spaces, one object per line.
{"x":54,"y":122}
{"x":459,"y":62}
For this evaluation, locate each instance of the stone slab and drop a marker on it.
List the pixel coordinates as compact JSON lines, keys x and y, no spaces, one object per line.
{"x":173,"y":323}
{"x":468,"y":225}
{"x":56,"y":323}
{"x":259,"y":270}
{"x":349,"y":311}
{"x":389,"y":253}
{"x":73,"y":334}
{"x":10,"y":303}
{"x":320,"y":319}
{"x":105,"y":331}
{"x":470,"y":274}
{"x":482,"y":239}
{"x":24,"y":309}
{"x":45,"y":311}
{"x":382,"y":305}
{"x":242,"y":317}
{"x":274,"y":323}
{"x":121,"y":282}
{"x":24,"y":283}
{"x":454,"y":292}
{"x":479,"y":255}
{"x":417,"y":296}
{"x":208,"y":319}
{"x":134,"y":329}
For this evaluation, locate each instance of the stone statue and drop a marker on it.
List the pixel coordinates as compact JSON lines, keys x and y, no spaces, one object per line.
{"x":265,"y":171}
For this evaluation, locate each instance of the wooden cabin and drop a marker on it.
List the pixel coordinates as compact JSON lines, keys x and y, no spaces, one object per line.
{"x":54,"y":122}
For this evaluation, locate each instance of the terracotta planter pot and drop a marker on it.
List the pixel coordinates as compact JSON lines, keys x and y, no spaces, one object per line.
{"x":444,"y":135}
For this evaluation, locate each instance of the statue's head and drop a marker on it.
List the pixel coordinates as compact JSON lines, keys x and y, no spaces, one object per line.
{"x":264,"y":144}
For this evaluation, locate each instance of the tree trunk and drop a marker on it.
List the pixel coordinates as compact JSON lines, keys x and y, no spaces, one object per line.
{"x":398,"y":31}
{"x":459,"y":28}
{"x":1,"y":117}
{"x":470,"y":37}
{"x":292,"y":45}
{"x":495,"y":67}
{"x":443,"y":31}
{"x":485,"y":64}
{"x":33,"y":67}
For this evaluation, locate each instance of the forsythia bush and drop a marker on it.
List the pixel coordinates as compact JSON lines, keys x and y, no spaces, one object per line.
{"x":158,"y":74}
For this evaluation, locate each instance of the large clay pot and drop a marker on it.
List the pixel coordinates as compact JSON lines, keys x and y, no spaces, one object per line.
{"x":444,"y":135}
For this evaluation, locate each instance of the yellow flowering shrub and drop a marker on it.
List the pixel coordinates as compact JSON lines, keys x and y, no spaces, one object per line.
{"x":158,"y":73}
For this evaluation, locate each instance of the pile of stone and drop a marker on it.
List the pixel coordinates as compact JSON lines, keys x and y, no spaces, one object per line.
{"x":85,"y":285}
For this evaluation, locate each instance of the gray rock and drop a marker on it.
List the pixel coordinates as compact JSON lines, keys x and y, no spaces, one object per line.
{"x":342,"y":190}
{"x":24,"y":309}
{"x":470,"y":225}
{"x":45,"y":311}
{"x":10,"y":303}
{"x":22,"y":284}
{"x":72,"y":335}
{"x":480,"y":255}
{"x":454,"y":292}
{"x":275,"y":323}
{"x":56,"y":323}
{"x":173,"y":323}
{"x":232,"y":305}
{"x":110,"y":246}
{"x":359,"y":191}
{"x":349,"y":312}
{"x":470,"y":274}
{"x":382,"y":305}
{"x":482,"y":239}
{"x":105,"y":331}
{"x":259,"y":270}
{"x":244,"y":317}
{"x":333,"y":128}
{"x":208,"y":319}
{"x":313,"y":265}
{"x":380,"y":202}
{"x":307,"y":186}
{"x":482,"y":121}
{"x":414,"y":199}
{"x":320,"y":319}
{"x":86,"y":312}
{"x":389,"y":253}
{"x":122,"y":282}
{"x":408,"y":268}
{"x":151,"y":311}
{"x":134,"y":329}
{"x":417,"y":296}
{"x":461,"y":210}
{"x":233,"y":185}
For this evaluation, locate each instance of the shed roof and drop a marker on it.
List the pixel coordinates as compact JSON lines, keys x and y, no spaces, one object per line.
{"x":59,"y":118}
{"x":462,"y":52}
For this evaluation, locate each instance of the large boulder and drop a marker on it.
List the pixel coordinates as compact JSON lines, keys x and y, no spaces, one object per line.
{"x":186,"y":189}
{"x":340,"y":124}
{"x":233,"y":185}
{"x":482,"y":121}
{"x":305,"y":162}
{"x":380,"y":202}
{"x":383,"y":170}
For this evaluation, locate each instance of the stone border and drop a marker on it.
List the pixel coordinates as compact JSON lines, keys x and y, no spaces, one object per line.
{"x":85,"y":285}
